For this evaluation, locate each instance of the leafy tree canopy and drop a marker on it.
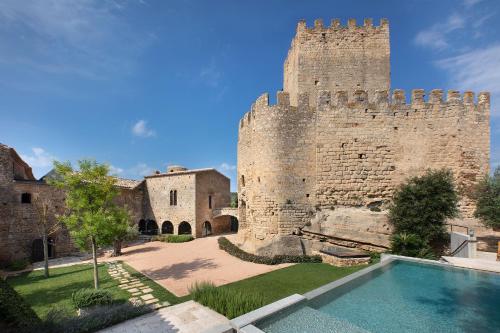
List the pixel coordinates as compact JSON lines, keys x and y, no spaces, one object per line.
{"x":422,"y":205}
{"x":487,"y":195}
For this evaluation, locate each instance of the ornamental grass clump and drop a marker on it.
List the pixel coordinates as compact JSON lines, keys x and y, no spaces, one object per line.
{"x":85,"y":298}
{"x":228,"y":302}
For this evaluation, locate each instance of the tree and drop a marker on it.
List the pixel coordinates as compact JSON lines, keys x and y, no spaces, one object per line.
{"x":45,"y":224}
{"x":420,"y":209}
{"x":93,"y":218}
{"x":487,"y":196}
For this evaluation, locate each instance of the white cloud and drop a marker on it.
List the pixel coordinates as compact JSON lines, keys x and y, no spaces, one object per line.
{"x":140,"y":129}
{"x":471,"y":3}
{"x":437,"y":35}
{"x":40,"y":161}
{"x":116,"y":171}
{"x":227,"y":167}
{"x":477,"y":70}
{"x":141,"y":169}
{"x":90,"y":39}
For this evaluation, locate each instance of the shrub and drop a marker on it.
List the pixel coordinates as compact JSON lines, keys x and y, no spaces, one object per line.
{"x":173,"y":238}
{"x":108,"y":315}
{"x":228,"y":302}
{"x":15,"y":314}
{"x":419,"y":211}
{"x":226,"y":245}
{"x":178,"y":238}
{"x":18,"y":265}
{"x":487,"y":196}
{"x":85,"y":298}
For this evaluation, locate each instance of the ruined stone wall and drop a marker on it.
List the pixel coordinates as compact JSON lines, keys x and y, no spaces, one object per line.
{"x":337,"y":58}
{"x":351,"y":151}
{"x":157,"y":199}
{"x":216,"y":185}
{"x":132,"y":200}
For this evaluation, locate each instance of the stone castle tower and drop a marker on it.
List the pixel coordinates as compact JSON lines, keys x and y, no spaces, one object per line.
{"x":327,"y":157}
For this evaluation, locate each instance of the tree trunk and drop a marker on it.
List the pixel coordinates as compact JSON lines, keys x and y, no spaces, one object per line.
{"x":45,"y":254}
{"x":94,"y":256}
{"x":117,"y":248}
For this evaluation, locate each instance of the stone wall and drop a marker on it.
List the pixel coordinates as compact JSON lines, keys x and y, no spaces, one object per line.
{"x":19,"y":221}
{"x":336,"y":140}
{"x":348,"y":152}
{"x":337,"y":58}
{"x":157,"y":199}
{"x":217,"y":186}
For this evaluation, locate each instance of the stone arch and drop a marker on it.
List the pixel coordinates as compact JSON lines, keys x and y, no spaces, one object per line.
{"x":206,"y":229}
{"x":37,"y":249}
{"x":167,"y":227}
{"x":234,"y":224}
{"x":151,"y":227}
{"x":184,"y":228}
{"x":142,"y":226}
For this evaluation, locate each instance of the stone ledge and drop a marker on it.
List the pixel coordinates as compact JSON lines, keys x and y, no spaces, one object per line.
{"x":265,"y":311}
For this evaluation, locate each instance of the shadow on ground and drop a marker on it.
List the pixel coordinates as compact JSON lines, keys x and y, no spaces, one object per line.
{"x":181,"y":270}
{"x":141,"y":250}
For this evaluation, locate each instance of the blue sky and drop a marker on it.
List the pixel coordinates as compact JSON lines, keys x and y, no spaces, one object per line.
{"x":141,"y":84}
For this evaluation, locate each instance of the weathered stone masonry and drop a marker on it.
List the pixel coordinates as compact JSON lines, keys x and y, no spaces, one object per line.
{"x":199,"y":192}
{"x":336,"y":144}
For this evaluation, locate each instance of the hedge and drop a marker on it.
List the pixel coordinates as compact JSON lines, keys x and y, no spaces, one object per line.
{"x":15,"y":314}
{"x":173,"y":238}
{"x":226,"y":245}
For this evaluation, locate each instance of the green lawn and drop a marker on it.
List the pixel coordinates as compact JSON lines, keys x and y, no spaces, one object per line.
{"x":297,"y":279}
{"x":43,"y":294}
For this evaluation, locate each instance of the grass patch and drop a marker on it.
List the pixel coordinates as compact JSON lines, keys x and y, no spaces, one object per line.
{"x":56,"y":292}
{"x":297,"y":279}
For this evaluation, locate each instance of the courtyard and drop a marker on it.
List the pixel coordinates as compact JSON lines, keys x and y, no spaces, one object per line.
{"x":177,"y":266}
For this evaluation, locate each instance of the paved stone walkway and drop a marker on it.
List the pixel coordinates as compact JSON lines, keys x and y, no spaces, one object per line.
{"x":141,"y":294}
{"x":177,"y":266}
{"x":187,"y":317}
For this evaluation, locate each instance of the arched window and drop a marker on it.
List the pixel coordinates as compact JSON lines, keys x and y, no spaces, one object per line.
{"x":175,"y":197}
{"x":242,"y":180}
{"x":171,"y":198}
{"x":26,"y":198}
{"x":210,"y":201}
{"x":184,"y":228}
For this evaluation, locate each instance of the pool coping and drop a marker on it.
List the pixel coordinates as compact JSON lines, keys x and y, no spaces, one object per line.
{"x":244,"y":323}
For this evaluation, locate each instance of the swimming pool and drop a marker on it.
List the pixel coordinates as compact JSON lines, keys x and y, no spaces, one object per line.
{"x":399,"y":296}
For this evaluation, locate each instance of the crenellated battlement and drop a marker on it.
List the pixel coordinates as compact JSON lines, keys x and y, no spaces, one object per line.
{"x":380,"y":100}
{"x":336,"y":25}
{"x":339,"y":138}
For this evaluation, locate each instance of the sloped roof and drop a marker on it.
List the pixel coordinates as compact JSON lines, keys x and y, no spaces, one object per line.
{"x":127,"y":183}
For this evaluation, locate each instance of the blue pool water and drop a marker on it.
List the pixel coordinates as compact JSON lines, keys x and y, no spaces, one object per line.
{"x":400,"y":297}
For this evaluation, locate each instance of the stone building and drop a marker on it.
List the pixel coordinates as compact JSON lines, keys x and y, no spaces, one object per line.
{"x":179,"y":201}
{"x":20,"y":233}
{"x":324,"y":161}
{"x":183,"y":201}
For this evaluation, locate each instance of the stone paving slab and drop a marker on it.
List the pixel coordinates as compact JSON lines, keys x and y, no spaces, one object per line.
{"x":178,"y":266}
{"x":172,"y":319}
